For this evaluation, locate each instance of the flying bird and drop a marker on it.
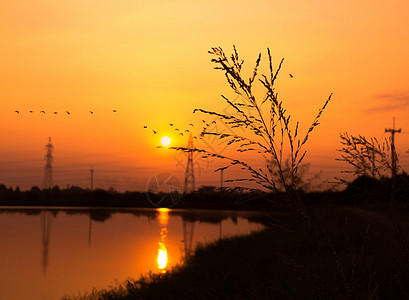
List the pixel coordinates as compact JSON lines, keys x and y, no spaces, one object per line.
{"x":145,"y":126}
{"x":55,"y":113}
{"x":42,"y":112}
{"x":91,"y":112}
{"x":171,"y":124}
{"x":187,"y":130}
{"x":114,"y":110}
{"x":291,"y":75}
{"x":181,"y":134}
{"x":68,"y":113}
{"x":31,"y":111}
{"x":17,"y":111}
{"x":177,"y":129}
{"x":191,"y":124}
{"x":154,"y":132}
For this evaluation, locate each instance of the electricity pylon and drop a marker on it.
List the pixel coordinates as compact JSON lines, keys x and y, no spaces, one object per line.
{"x":189,"y":185}
{"x":48,"y":168}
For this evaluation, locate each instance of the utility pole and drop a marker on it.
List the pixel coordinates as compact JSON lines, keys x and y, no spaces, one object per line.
{"x":393,"y":149}
{"x":189,"y":185}
{"x":394,"y":158}
{"x":48,"y":168}
{"x":92,"y":179}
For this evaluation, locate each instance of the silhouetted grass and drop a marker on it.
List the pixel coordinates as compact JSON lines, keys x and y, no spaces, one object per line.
{"x":346,"y":253}
{"x":368,"y":157}
{"x":265,"y":125}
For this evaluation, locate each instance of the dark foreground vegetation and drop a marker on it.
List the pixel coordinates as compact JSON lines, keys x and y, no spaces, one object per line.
{"x":354,"y":247}
{"x":346,"y":253}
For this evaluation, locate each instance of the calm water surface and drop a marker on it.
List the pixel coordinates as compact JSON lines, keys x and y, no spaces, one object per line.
{"x":48,"y":253}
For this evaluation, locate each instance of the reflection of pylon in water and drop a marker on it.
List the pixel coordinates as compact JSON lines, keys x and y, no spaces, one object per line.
{"x":46,"y":218}
{"x":188,"y":232}
{"x":48,"y":168}
{"x":189,"y":185}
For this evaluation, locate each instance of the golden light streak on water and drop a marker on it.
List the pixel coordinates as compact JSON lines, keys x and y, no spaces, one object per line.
{"x":162,"y":251}
{"x":162,"y":257}
{"x":163,"y":216}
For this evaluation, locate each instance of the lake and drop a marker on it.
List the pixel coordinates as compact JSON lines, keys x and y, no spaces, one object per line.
{"x":47,"y":253}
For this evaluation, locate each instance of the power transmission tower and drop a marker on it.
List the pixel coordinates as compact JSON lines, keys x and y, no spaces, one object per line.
{"x":394,"y":157}
{"x":48,"y":168}
{"x":189,"y":185}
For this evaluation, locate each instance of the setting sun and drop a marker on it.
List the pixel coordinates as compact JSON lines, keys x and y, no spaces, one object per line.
{"x":165,"y":141}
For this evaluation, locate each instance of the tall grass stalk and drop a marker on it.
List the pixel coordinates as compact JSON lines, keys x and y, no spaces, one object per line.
{"x":268,"y":128}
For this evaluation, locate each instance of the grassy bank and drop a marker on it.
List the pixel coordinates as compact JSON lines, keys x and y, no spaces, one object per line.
{"x":343,"y":255}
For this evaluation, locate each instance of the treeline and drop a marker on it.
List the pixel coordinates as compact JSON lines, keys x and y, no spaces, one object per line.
{"x":384,"y":189}
{"x":364,"y":189}
{"x":204,"y":198}
{"x":73,"y":196}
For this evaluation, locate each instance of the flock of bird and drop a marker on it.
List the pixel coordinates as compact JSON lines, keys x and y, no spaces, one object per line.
{"x":56,"y":112}
{"x":176,"y":129}
{"x":181,"y":131}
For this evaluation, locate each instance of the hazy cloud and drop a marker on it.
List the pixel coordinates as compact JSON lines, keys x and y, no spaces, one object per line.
{"x":390,"y":102}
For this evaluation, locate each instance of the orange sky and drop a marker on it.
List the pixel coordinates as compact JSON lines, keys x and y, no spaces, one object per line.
{"x":148,"y":60}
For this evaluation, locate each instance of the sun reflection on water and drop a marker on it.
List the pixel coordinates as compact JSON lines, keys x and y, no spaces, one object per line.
{"x":162,"y":257}
{"x":162,"y":250}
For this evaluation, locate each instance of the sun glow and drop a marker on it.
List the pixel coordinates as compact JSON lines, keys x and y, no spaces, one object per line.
{"x":165,"y":141}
